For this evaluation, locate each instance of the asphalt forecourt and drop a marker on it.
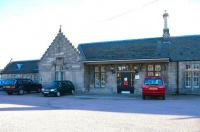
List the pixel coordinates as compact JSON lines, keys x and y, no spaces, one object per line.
{"x":88,"y":113}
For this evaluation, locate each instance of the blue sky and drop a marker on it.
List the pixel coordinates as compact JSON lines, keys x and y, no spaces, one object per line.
{"x":29,"y":26}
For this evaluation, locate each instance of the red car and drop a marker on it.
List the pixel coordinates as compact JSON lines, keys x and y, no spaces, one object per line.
{"x":153,"y":86}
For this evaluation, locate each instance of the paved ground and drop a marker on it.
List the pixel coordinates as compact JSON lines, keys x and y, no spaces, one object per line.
{"x":35,"y":113}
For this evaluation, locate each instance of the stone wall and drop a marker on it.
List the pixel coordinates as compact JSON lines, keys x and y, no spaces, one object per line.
{"x":72,"y":68}
{"x":182,"y":88}
{"x":111,"y":82}
{"x":111,"y":79}
{"x":172,"y":78}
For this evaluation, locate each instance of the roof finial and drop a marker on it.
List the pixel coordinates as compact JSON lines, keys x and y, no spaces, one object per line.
{"x":60,"y":29}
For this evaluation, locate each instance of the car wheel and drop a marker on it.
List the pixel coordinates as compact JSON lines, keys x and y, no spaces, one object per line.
{"x":143,"y":97}
{"x":44,"y":95}
{"x":163,"y":97}
{"x":119,"y":91}
{"x":72,"y":92}
{"x":21,"y":92}
{"x":58,"y":94}
{"x":132,"y":91}
{"x":9,"y":93}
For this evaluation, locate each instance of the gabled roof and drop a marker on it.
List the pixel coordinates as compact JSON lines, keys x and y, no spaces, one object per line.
{"x":21,"y":67}
{"x":59,"y":41}
{"x":178,"y":49}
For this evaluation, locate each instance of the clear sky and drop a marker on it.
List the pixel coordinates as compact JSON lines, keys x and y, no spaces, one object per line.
{"x":27,"y":27}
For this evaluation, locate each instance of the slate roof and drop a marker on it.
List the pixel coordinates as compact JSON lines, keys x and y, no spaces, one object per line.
{"x":21,"y":67}
{"x":180,"y":48}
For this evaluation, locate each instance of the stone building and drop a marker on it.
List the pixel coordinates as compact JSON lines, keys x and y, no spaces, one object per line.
{"x":21,"y":69}
{"x":176,"y":59}
{"x":61,"y":61}
{"x":100,"y":67}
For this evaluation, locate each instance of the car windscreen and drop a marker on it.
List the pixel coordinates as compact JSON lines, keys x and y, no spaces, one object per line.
{"x":53,"y":85}
{"x":153,"y":81}
{"x":9,"y":82}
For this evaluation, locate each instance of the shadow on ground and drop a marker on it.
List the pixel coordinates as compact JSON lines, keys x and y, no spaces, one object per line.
{"x":173,"y":105}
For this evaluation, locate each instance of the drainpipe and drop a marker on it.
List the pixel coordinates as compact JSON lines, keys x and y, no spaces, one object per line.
{"x":177,"y":78}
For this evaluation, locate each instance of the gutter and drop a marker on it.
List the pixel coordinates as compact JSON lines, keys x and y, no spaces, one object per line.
{"x":126,"y":61}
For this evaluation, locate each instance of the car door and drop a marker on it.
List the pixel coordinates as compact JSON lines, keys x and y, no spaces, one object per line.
{"x":64,"y":87}
{"x":60,"y":87}
{"x":24,"y":84}
{"x":30,"y":85}
{"x":70,"y":86}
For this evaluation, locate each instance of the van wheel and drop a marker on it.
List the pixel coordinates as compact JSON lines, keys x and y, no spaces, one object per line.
{"x":58,"y":94}
{"x":143,"y":97}
{"x":38,"y":90}
{"x":72,"y":92}
{"x":21,"y":92}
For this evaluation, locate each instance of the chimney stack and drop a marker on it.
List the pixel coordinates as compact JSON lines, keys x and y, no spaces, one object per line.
{"x":166,"y":35}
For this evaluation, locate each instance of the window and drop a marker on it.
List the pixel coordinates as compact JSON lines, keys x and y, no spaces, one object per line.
{"x":188,"y":79}
{"x":196,"y":79}
{"x":100,"y":76}
{"x":187,"y":67}
{"x":157,"y":68}
{"x":59,"y":73}
{"x":150,"y":68}
{"x":192,"y":75}
{"x":154,"y":70}
{"x":150,"y":74}
{"x":59,"y":61}
{"x":196,"y":66}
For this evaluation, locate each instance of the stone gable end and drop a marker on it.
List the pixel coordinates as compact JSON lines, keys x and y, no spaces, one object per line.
{"x":60,"y":47}
{"x":71,"y":68}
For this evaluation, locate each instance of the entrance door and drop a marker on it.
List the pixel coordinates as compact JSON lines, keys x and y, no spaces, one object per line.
{"x":125,"y":82}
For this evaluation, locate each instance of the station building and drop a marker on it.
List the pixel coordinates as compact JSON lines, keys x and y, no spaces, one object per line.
{"x":100,"y":67}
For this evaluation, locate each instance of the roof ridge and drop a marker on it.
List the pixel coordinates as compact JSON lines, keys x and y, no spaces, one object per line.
{"x":137,"y":39}
{"x":25,"y":60}
{"x":123,"y":40}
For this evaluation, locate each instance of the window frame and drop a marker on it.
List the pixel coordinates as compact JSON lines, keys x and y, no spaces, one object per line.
{"x":153,"y":70}
{"x":191,"y":69}
{"x":101,"y":75}
{"x":59,"y":69}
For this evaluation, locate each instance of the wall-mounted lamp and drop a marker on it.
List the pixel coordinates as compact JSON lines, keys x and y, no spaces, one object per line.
{"x":112,"y":69}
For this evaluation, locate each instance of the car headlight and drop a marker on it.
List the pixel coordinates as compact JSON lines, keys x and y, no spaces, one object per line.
{"x":52,"y":90}
{"x":42,"y":89}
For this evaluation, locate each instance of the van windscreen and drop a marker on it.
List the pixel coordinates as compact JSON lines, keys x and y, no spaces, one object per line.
{"x":9,"y":82}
